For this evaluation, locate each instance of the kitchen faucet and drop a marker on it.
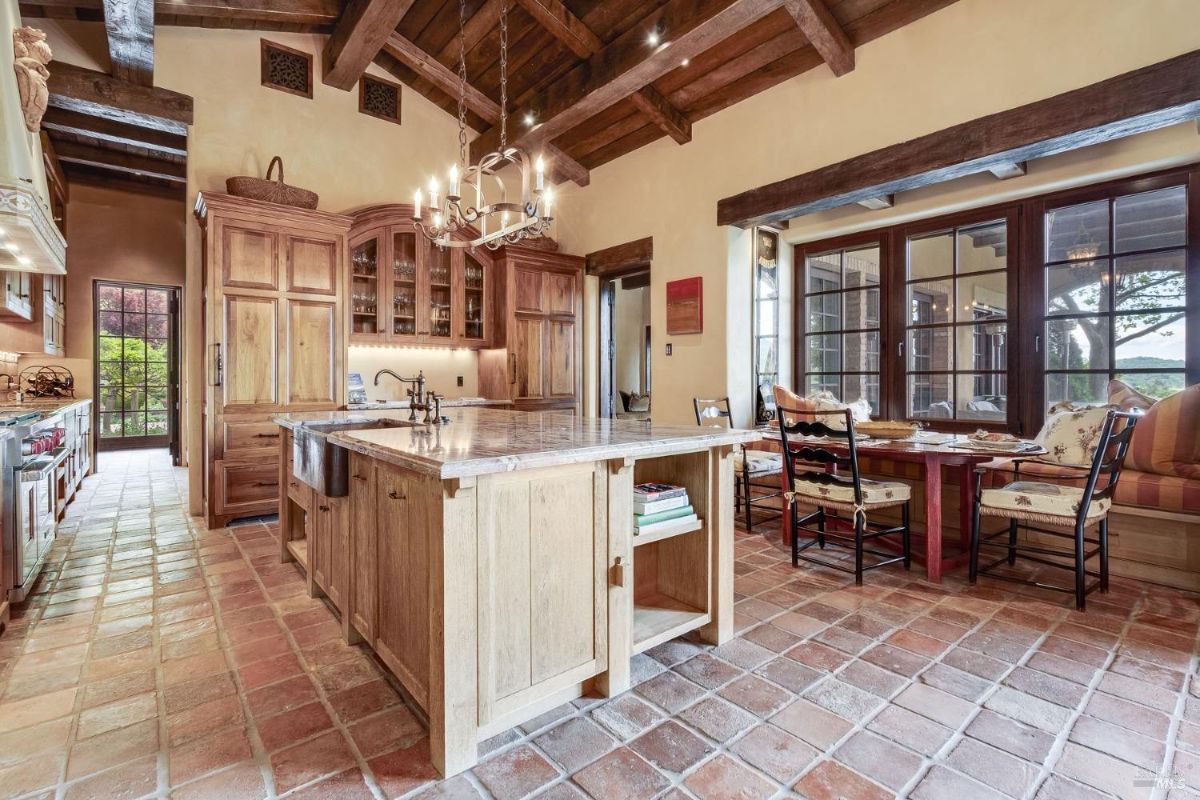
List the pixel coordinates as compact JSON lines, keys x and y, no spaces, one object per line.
{"x":419,"y":400}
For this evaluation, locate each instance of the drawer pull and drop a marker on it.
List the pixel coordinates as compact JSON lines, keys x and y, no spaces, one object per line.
{"x":359,"y":477}
{"x":266,"y":483}
{"x":266,"y":436}
{"x":392,"y":493}
{"x":323,"y":508}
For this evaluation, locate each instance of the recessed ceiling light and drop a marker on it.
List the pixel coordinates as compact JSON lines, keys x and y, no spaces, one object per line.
{"x":25,"y":261}
{"x":12,"y":247}
{"x":653,"y":38}
{"x":684,"y":63}
{"x":530,"y":119}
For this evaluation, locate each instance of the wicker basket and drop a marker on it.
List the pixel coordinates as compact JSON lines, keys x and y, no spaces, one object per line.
{"x":271,"y":191}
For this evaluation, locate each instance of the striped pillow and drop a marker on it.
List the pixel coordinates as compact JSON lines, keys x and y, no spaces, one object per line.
{"x":786,"y":397}
{"x":1167,"y":440}
{"x":1127,"y":398}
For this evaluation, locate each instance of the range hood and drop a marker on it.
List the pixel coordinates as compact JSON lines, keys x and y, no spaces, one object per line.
{"x":29,"y":239}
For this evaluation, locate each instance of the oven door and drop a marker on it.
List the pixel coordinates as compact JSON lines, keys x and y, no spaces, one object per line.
{"x":35,"y":516}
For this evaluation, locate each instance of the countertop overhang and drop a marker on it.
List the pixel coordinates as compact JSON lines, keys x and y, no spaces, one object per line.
{"x":483,"y":441}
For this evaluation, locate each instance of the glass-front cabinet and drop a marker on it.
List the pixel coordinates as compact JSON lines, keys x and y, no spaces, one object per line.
{"x":404,"y":290}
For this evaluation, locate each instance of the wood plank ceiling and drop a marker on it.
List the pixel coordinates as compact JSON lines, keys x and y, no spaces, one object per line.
{"x":589,"y":80}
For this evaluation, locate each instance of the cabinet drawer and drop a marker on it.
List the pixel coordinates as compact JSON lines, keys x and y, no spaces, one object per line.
{"x":247,"y":436}
{"x":300,"y":492}
{"x":247,"y":487}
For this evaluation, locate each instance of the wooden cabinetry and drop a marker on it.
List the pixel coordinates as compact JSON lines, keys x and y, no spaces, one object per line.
{"x":274,"y":332}
{"x":18,"y":295}
{"x":404,"y":290}
{"x":43,"y":331}
{"x":537,"y":332}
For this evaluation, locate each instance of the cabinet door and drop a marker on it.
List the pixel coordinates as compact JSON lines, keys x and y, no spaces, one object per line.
{"x":543,"y":554}
{"x":320,"y":544}
{"x":368,"y":320}
{"x":560,"y":294}
{"x":313,"y":353}
{"x":249,"y":256}
{"x":364,"y":560}
{"x":249,"y":374}
{"x":436,"y":318}
{"x":311,"y":263}
{"x":526,"y":353}
{"x":338,"y":520}
{"x":560,"y":359}
{"x":475,"y":278}
{"x":403,"y":550}
{"x":527,"y":290}
{"x":404,"y":296}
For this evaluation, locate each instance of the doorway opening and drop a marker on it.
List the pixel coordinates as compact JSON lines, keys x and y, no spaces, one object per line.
{"x":625,"y":365}
{"x":137,"y":366}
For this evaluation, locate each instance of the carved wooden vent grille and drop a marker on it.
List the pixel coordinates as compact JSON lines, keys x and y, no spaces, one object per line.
{"x":286,"y":69}
{"x":379,"y":98}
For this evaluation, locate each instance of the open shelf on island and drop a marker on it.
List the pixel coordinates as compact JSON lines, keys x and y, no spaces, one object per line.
{"x":299,"y":550}
{"x":647,"y":538}
{"x":659,"y":618}
{"x":671,"y":569}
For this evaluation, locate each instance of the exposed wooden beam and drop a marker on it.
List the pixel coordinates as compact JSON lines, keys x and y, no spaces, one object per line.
{"x":878,"y":203}
{"x":1142,"y":100}
{"x":124,"y":181}
{"x":1003,"y":172}
{"x":629,"y":63}
{"x":563,"y":167}
{"x":86,"y":90}
{"x":54,"y":170}
{"x":621,"y":257}
{"x":108,"y":130}
{"x":569,"y":29}
{"x":358,"y":37}
{"x":76,"y":153}
{"x":130,"y":28}
{"x":824,"y":32}
{"x":659,"y":109}
{"x":282,"y":12}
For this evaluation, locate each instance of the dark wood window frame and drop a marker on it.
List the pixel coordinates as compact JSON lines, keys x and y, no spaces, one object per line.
{"x":1025,"y":288}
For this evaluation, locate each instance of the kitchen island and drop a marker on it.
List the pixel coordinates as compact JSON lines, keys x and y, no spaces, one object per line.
{"x":491,"y":562}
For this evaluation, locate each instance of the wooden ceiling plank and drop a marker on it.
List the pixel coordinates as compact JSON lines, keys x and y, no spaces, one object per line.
{"x":571,"y":31}
{"x":441,"y":76}
{"x":666,"y":116}
{"x":1134,"y":102}
{"x":286,"y":12}
{"x":826,"y":34}
{"x":358,"y":37}
{"x":130,"y":28}
{"x":76,"y":87}
{"x":75,"y":153}
{"x":125,"y":181}
{"x":68,"y":121}
{"x":630,"y":63}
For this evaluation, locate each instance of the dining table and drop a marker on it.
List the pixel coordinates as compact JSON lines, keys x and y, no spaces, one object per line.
{"x":956,"y":453}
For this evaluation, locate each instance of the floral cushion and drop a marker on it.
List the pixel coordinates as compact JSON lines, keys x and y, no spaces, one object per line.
{"x":1070,"y":435}
{"x":860,"y":411}
{"x":873,"y":492}
{"x":1041,"y":498}
{"x":759,"y":462}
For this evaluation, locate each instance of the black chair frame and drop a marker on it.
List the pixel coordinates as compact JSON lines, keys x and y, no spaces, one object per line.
{"x":744,"y":497}
{"x":821,"y":465}
{"x":1108,"y":461}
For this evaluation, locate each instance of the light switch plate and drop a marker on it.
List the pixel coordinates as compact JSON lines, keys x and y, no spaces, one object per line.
{"x":668,"y":348}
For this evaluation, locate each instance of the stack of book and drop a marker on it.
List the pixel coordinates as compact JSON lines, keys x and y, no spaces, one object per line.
{"x":661,"y":508}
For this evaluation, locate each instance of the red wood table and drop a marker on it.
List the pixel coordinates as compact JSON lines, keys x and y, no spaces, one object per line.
{"x":932,"y":457}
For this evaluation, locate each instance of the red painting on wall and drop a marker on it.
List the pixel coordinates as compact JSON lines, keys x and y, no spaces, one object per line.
{"x":685,"y":306}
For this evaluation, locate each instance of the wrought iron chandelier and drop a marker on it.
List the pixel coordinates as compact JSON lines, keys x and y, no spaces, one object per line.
{"x":491,"y":219}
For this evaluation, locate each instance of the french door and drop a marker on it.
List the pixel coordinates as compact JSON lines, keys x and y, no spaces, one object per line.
{"x":136,"y":363}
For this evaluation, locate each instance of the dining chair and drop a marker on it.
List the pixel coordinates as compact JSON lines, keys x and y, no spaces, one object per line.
{"x":753,"y":469}
{"x":1071,"y":511}
{"x":821,"y":484}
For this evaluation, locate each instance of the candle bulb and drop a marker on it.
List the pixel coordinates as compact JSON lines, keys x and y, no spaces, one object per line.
{"x":503,"y":219}
{"x":417,"y":205}
{"x":437,"y":219}
{"x":433,"y":194}
{"x":453,"y":180}
{"x":541,"y":173}
{"x":549,"y":198}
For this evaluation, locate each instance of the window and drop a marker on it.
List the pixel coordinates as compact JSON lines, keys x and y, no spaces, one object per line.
{"x":1116,"y":295}
{"x":766,"y":309}
{"x":957,"y":328}
{"x":842,"y":324}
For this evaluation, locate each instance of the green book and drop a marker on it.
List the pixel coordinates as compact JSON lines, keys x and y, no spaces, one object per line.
{"x":673,"y":513}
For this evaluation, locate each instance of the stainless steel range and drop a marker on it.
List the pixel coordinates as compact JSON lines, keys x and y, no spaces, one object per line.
{"x":32,"y":447}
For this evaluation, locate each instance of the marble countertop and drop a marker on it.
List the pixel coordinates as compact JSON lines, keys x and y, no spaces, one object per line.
{"x":378,"y":405}
{"x":482,"y":441}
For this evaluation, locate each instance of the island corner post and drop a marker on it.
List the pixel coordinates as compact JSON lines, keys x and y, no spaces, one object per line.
{"x":493,"y":597}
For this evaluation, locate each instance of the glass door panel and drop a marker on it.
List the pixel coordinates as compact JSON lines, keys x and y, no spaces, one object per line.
{"x":440,"y":328}
{"x":404,"y":284}
{"x":474,"y":283}
{"x":364,"y":288}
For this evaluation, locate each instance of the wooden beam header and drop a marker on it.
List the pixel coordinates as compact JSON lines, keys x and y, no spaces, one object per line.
{"x":82,"y":89}
{"x":1142,"y":100}
{"x":621,"y":258}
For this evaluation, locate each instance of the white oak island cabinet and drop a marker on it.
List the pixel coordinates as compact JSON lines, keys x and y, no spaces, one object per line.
{"x":491,"y":562}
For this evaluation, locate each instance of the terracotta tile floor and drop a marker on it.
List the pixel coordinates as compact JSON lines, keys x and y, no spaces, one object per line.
{"x":159,"y":659}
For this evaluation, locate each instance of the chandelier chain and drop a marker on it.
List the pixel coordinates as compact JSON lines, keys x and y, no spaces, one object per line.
{"x":503,"y":74}
{"x":462,"y":82}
